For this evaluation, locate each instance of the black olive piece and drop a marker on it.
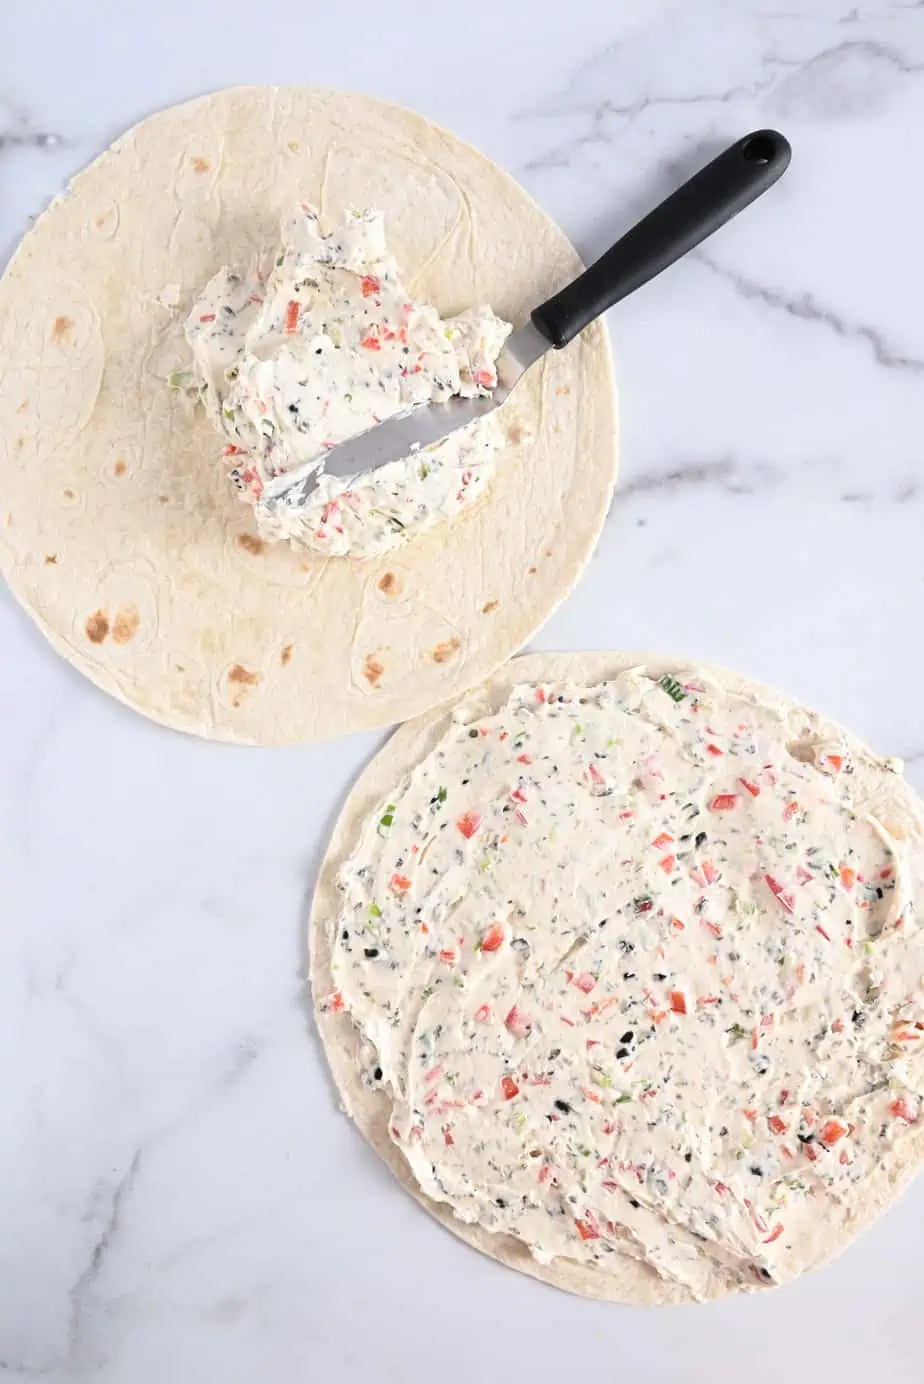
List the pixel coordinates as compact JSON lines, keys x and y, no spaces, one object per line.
{"x":622,"y":1052}
{"x":806,"y":1138}
{"x":500,"y":1202}
{"x":627,"y":1036}
{"x":556,"y":1052}
{"x":659,"y":975}
{"x":723,"y":1131}
{"x":701,"y":839}
{"x":563,"y":1106}
{"x":377,"y":1074}
{"x":345,"y":934}
{"x":473,"y":734}
{"x":634,"y":1204}
{"x":370,"y":952}
{"x":757,"y":1170}
{"x":628,"y":975}
{"x":688,"y":1157}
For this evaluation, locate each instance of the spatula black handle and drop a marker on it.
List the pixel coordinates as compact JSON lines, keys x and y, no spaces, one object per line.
{"x":712,"y":196}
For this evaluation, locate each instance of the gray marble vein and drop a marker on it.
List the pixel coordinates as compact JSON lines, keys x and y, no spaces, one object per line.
{"x":79,"y":1338}
{"x":804,"y":306}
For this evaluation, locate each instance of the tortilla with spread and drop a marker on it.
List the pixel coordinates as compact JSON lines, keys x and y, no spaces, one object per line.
{"x":619,"y":966}
{"x":119,"y":530}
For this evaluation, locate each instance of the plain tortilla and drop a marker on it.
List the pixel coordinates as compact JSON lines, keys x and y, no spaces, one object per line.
{"x":119,"y":531}
{"x":879,"y":791}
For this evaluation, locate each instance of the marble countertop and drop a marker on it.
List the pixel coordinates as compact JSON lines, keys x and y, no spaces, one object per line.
{"x":179,"y":1199}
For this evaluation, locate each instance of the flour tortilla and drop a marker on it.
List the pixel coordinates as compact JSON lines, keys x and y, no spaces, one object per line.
{"x":119,"y":531}
{"x":881,"y":792}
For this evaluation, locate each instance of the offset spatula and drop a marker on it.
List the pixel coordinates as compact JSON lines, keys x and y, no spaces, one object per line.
{"x":711,"y":197}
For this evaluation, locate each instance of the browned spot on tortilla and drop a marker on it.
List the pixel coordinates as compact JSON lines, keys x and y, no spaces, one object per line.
{"x":164,"y":499}
{"x":97,"y":627}
{"x":563,"y":389}
{"x":251,"y":543}
{"x":442,"y":653}
{"x":242,"y":676}
{"x":515,"y":435}
{"x":51,"y":559}
{"x":120,"y":468}
{"x":68,"y":494}
{"x":200,"y":165}
{"x":489,"y":606}
{"x":286,"y":654}
{"x":21,"y":408}
{"x":20,"y":442}
{"x":292,"y":146}
{"x":61,"y":328}
{"x":101,"y":221}
{"x":547,"y":552}
{"x":531,"y":571}
{"x":387,"y":582}
{"x":373,"y":669}
{"x":126,"y":625}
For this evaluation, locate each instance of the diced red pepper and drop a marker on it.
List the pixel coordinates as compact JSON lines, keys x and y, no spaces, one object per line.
{"x":468,"y":823}
{"x":714,"y":750}
{"x":723,"y":802}
{"x":751,"y":787}
{"x":509,"y":1087}
{"x":587,"y":1230}
{"x":778,"y":1125}
{"x":678,"y":1002}
{"x":371,"y":342}
{"x":903,"y":1109}
{"x":664,"y":839}
{"x":848,"y":876}
{"x":493,"y":938}
{"x":790,"y":810}
{"x":482,"y":1014}
{"x":399,"y":884}
{"x":710,"y":873}
{"x":831,"y":1131}
{"x":781,"y":895}
{"x":775,"y":1234}
{"x":292,"y":311}
{"x":370,"y":284}
{"x":520,"y":1024}
{"x":712,"y":927}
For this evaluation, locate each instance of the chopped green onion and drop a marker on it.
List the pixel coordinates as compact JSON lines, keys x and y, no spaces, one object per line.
{"x":673,"y":688}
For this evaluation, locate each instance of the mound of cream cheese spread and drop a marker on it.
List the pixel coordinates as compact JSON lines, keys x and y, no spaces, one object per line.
{"x":323,"y":348}
{"x":637,"y":974}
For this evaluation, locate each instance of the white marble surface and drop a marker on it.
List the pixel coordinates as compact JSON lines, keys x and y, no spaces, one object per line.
{"x":179,"y":1200}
